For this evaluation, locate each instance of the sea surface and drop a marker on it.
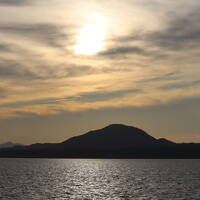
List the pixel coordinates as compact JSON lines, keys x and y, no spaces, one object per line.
{"x":27,"y":179}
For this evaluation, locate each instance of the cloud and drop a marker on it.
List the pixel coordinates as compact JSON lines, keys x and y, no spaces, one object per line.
{"x":13,"y":48}
{"x":150,"y":98}
{"x":3,"y":92}
{"x":102,"y":96}
{"x":75,"y":70}
{"x":40,"y":74}
{"x":181,"y":32}
{"x":126,"y":50}
{"x":45,"y":33}
{"x":168,"y":76}
{"x":181,"y":85}
{"x":15,"y":70}
{"x":116,"y":51}
{"x":4,"y":48}
{"x":80,"y":88}
{"x":14,"y":2}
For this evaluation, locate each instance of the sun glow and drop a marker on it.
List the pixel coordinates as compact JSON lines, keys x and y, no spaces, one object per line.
{"x":90,"y":41}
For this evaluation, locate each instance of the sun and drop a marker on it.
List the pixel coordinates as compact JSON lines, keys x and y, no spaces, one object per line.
{"x":90,"y":40}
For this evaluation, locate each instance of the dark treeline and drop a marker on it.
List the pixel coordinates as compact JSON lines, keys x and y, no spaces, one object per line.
{"x":176,"y":151}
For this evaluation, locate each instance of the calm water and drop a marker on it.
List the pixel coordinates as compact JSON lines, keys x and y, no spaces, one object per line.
{"x":27,"y":179}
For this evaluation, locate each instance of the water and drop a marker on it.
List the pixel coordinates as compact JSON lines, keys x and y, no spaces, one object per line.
{"x":27,"y":179}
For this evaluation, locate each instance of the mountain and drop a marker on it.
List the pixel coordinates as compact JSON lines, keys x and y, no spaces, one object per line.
{"x":9,"y":145}
{"x":113,"y":141}
{"x":113,"y":136}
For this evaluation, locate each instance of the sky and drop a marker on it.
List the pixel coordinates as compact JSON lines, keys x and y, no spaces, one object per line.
{"x":70,"y":66}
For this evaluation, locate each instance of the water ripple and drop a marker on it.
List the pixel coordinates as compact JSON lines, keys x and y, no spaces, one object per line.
{"x":85,"y":179}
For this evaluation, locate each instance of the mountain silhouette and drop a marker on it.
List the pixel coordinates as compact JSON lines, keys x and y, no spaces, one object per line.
{"x":113,"y":136}
{"x":113,"y":141}
{"x":164,"y":141}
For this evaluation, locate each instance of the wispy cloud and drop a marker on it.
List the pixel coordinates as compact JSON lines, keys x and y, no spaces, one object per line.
{"x":151,"y":98}
{"x":14,"y":70}
{"x":45,"y":33}
{"x":181,"y":33}
{"x":181,"y":85}
{"x":40,"y":73}
{"x":117,"y":51}
{"x":14,"y":2}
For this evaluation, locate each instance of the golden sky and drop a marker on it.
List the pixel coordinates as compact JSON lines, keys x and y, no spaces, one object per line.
{"x":133,"y":61}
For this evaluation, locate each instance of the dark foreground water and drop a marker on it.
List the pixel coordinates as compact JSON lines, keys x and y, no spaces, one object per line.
{"x":27,"y":179}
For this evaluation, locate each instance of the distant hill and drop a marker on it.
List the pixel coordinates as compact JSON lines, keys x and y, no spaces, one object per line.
{"x":9,"y":145}
{"x":113,"y":141}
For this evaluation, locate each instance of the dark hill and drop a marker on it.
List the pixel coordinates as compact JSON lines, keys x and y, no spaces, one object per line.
{"x":113,"y":136}
{"x":164,"y":141}
{"x":113,"y":141}
{"x":9,"y":145}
